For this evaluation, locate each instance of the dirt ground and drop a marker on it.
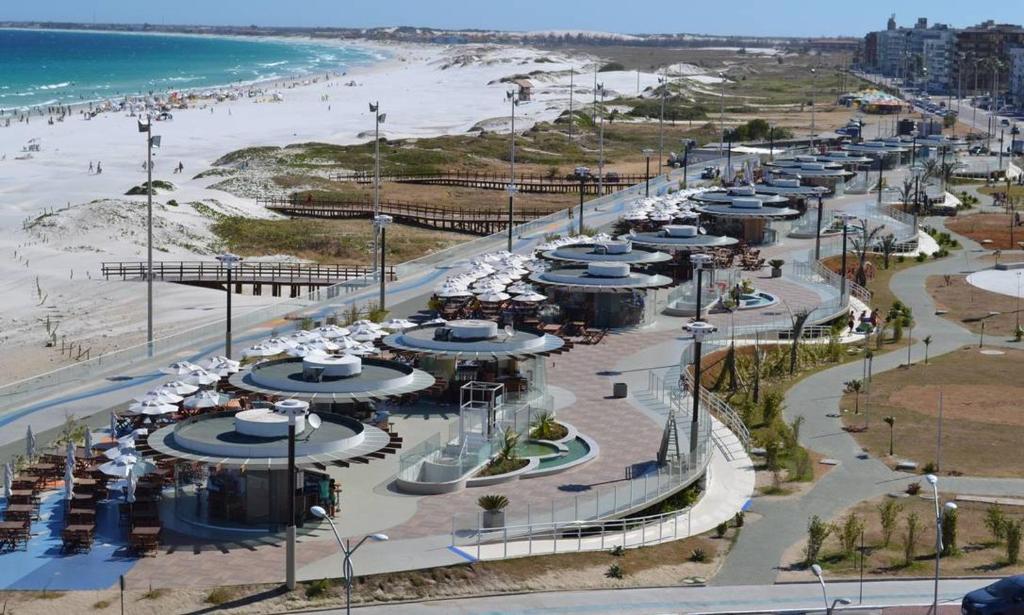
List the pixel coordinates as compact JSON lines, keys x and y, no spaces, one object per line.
{"x":982,"y":426}
{"x":992,"y":227}
{"x":977,"y":553}
{"x":666,"y":564}
{"x":967,"y":305}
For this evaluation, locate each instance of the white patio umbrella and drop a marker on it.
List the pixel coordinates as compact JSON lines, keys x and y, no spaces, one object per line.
{"x":345,"y":343}
{"x":178,"y":387}
{"x":304,"y":337}
{"x":201,"y":377}
{"x":529,"y":298}
{"x":125,"y":446}
{"x":206,"y":399}
{"x":263,"y":349}
{"x":436,"y":321}
{"x":304,"y":350}
{"x":120,"y":467}
{"x":361,"y":350}
{"x":161,"y":396}
{"x":281,"y":342}
{"x":179,"y":368}
{"x":152,"y":408}
{"x":453,"y":293}
{"x":221,"y":363}
{"x":399,"y":324}
{"x":493,"y":297}
{"x":8,"y":479}
{"x":332,"y":331}
{"x":30,"y":443}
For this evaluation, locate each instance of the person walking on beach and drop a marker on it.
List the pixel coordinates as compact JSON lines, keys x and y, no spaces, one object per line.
{"x":99,"y":168}
{"x":90,"y":167}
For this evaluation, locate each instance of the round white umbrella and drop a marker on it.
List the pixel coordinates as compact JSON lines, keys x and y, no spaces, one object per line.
{"x":436,"y":321}
{"x":493,"y":297}
{"x":201,"y":377}
{"x":364,"y":335}
{"x":161,"y":396}
{"x":362,"y":350}
{"x":304,"y":350}
{"x":529,"y":298}
{"x":152,"y":408}
{"x":399,"y":324}
{"x":263,"y":349}
{"x":281,"y":342}
{"x":325,"y":345}
{"x":304,"y":337}
{"x":206,"y":399}
{"x":332,"y":331}
{"x":179,"y":368}
{"x":453,"y":293}
{"x":178,"y":387}
{"x":120,"y":467}
{"x":221,"y":363}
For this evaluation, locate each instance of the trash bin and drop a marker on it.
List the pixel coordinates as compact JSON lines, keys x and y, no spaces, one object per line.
{"x":619,"y":390}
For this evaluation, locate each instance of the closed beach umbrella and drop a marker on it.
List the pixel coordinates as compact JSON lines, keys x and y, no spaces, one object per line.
{"x":113,"y":425}
{"x":179,"y":368}
{"x":70,"y":455}
{"x":30,"y":443}
{"x":131,"y":485}
{"x":88,"y":442}
{"x":69,"y":483}
{"x":152,"y":407}
{"x":8,"y":479}
{"x":178,"y":387}
{"x":206,"y":399}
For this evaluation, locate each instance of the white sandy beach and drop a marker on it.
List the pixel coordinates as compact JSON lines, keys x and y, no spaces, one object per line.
{"x":53,"y":269}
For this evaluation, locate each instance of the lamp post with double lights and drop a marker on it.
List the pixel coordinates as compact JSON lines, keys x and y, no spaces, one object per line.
{"x":347,"y":549}
{"x":814,"y":86}
{"x":293,"y":414}
{"x":829,"y":607}
{"x":940,"y":511}
{"x":700,"y":330}
{"x":817,"y":234}
{"x":378,"y":119}
{"x":380,"y":225}
{"x":721,"y":115}
{"x":663,"y":88}
{"x":647,"y":152}
{"x":600,"y":154}
{"x":842,"y":274}
{"x":151,"y":142}
{"x":512,"y":97}
{"x":229,"y":261}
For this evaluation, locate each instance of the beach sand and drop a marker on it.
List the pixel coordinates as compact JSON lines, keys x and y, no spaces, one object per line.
{"x":50,"y":265}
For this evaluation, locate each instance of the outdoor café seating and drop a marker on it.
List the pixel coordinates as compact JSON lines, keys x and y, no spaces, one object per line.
{"x":14,"y":534}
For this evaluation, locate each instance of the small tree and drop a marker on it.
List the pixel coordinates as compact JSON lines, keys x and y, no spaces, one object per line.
{"x":927,"y":342}
{"x":888,"y":516}
{"x":910,"y":538}
{"x":817,"y":532}
{"x":771,"y":407}
{"x":891,"y":422}
{"x":1013,"y":535}
{"x":799,"y":319}
{"x":995,"y":521}
{"x":849,"y":533}
{"x":854,"y":386}
{"x":492,"y":502}
{"x":888,"y":247}
{"x":949,"y":521}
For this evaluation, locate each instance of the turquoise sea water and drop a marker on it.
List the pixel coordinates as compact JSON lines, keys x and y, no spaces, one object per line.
{"x":52,"y":67}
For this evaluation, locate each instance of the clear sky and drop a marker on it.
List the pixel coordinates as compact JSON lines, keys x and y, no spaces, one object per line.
{"x":751,"y":17}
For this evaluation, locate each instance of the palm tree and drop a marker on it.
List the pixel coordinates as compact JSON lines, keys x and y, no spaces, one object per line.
{"x":891,"y":422}
{"x":927,"y":342}
{"x":854,"y":386}
{"x":544,"y":426}
{"x":509,"y":446}
{"x":861,"y":247}
{"x":888,"y":247}
{"x":906,"y":192}
{"x":799,"y":319}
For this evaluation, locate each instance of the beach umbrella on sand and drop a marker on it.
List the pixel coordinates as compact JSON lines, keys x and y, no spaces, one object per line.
{"x":178,"y":387}
{"x":8,"y":479}
{"x":30,"y":443}
{"x":206,"y":399}
{"x":179,"y":368}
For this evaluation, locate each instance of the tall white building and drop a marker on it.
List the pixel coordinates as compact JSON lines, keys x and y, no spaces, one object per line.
{"x":1016,"y":55}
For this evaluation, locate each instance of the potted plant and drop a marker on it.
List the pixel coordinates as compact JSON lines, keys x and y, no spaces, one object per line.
{"x":494,"y":510}
{"x":776,"y":265}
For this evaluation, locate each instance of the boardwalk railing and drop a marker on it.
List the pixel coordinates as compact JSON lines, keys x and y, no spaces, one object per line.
{"x":478,"y":221}
{"x":244,"y":273}
{"x":524,"y":182}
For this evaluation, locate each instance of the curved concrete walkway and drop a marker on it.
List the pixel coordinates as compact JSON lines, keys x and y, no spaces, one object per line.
{"x":783,"y":522}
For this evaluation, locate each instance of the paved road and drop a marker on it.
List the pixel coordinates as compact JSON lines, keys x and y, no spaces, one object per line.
{"x":773,"y":598}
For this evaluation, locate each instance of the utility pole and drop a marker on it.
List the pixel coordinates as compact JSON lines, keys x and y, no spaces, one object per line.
{"x":600,"y":160}
{"x":513,"y":97}
{"x":571,"y":73}
{"x":663,"y":82}
{"x":378,"y":119}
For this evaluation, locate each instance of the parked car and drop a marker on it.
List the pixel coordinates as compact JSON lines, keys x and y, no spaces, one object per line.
{"x":709,"y":173}
{"x":1004,"y":597}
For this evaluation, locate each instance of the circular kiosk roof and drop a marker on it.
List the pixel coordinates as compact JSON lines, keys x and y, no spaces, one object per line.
{"x":719,"y":197}
{"x":341,"y":379}
{"x":812,"y":169}
{"x":473,"y":339}
{"x":679,"y":237}
{"x":621,"y":251}
{"x":601,"y":278}
{"x":258,"y":439}
{"x":746,"y":208}
{"x":788,"y":187}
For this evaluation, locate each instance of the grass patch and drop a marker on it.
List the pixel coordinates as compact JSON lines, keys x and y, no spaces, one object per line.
{"x":503,"y":466}
{"x":154,"y":594}
{"x":99,"y":605}
{"x":143,"y":188}
{"x":992,"y":227}
{"x":220,"y":595}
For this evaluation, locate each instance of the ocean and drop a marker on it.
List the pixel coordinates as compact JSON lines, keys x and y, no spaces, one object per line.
{"x":53,"y":67}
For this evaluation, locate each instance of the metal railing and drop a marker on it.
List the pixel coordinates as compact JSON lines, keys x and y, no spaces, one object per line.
{"x":283,"y":272}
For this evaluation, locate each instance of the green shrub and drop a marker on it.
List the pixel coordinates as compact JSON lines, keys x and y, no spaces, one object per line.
{"x":889,"y":515}
{"x":817,"y":532}
{"x":721,"y":529}
{"x":219,"y":595}
{"x":849,"y":533}
{"x":921,"y":257}
{"x":1013,"y":534}
{"x":618,"y":551}
{"x":949,"y":533}
{"x":317,"y":589}
{"x":995,"y":521}
{"x":910,"y":538}
{"x":614,"y":572}
{"x":698,"y":555}
{"x":738,"y":520}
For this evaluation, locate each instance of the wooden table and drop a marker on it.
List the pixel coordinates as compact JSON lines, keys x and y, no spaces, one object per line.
{"x":143,"y":539}
{"x":41,"y":469}
{"x":20,"y":512}
{"x":82,"y":515}
{"x":12,"y":533}
{"x":78,"y":537}
{"x":22,"y":496}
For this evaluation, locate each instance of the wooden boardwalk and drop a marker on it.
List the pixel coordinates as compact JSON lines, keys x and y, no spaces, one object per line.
{"x":277,"y":276}
{"x":526,"y":183}
{"x":459,"y":220}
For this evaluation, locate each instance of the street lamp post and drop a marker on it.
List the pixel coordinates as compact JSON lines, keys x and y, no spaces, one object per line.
{"x":721,"y":114}
{"x":647,"y":152}
{"x":380,"y":225}
{"x":663,"y":83}
{"x":572,"y":73}
{"x":817,"y":234}
{"x":513,"y":97}
{"x":378,"y":119}
{"x":347,"y":549}
{"x":881,"y":167}
{"x":229,"y":261}
{"x":814,"y":85}
{"x":842,"y":274}
{"x":686,"y":163}
{"x":151,"y":142}
{"x":600,"y":159}
{"x":700,"y":331}
{"x":949,"y":507}
{"x":582,"y":173}
{"x":1016,"y":309}
{"x":293,"y":412}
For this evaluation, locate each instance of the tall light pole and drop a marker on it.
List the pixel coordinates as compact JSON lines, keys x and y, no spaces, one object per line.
{"x":842,"y":274}
{"x":512,"y":97}
{"x":229,"y":261}
{"x":817,"y":234}
{"x":294,"y":410}
{"x":347,"y":549}
{"x":582,"y":173}
{"x":816,"y":569}
{"x":1016,"y":309}
{"x":647,"y":152}
{"x":378,"y":119}
{"x":380,"y":225}
{"x":151,"y":142}
{"x":663,"y":87}
{"x":572,"y":73}
{"x":700,"y":330}
{"x":949,"y":507}
{"x":600,"y":159}
{"x":814,"y":85}
{"x":721,"y":114}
